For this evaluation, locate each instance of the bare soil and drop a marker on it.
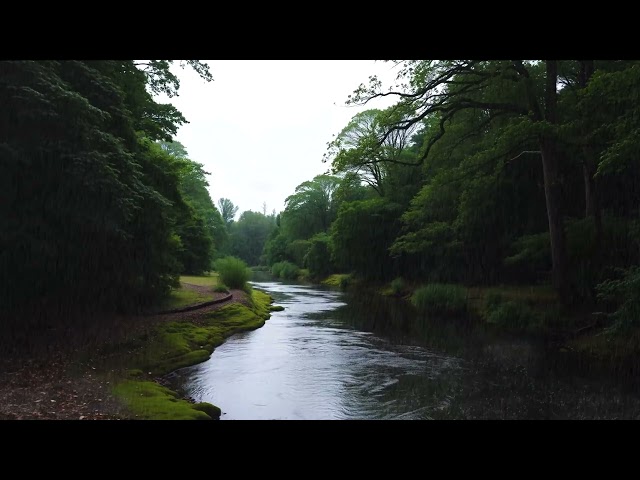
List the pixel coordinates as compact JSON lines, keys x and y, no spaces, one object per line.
{"x":53,"y":374}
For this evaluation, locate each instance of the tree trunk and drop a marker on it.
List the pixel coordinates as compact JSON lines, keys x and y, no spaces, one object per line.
{"x":552,"y":187}
{"x":553,"y":197}
{"x":591,"y":198}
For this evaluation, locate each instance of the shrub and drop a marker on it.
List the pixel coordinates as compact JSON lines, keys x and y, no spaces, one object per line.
{"x":221,"y":288}
{"x":492,"y":300}
{"x":289,"y":271}
{"x":397,"y":286}
{"x":511,"y":314}
{"x":285,"y":270}
{"x":276,"y":268}
{"x":317,"y":259}
{"x":625,"y":294}
{"x":440,"y":299}
{"x":233,"y":272}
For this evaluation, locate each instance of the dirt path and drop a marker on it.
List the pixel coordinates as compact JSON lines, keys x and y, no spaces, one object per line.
{"x":55,"y":378}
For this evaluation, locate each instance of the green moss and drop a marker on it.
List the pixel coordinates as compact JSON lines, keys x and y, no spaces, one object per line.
{"x":180,"y":344}
{"x":336,"y":280}
{"x":149,"y":400}
{"x":209,"y":409}
{"x":276,"y":308}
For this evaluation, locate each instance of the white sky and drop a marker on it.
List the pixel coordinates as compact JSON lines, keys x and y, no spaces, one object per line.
{"x":261,"y":127}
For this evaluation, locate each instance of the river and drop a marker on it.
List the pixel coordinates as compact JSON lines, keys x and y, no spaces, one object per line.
{"x":331,"y":355}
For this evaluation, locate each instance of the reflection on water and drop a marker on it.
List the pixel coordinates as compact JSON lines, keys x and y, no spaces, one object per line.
{"x":333,"y":356}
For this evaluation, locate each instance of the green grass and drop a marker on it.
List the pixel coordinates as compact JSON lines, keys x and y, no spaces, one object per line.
{"x":533,"y":295}
{"x":183,"y":297}
{"x":607,"y":346}
{"x":440,"y":299}
{"x":519,"y":308}
{"x":203,"y":281}
{"x":398,"y":287}
{"x":179,"y":344}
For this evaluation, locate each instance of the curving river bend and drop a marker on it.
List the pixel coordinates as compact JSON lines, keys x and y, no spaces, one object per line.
{"x":329,"y":355}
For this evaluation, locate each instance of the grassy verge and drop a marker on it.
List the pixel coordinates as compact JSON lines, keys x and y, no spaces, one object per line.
{"x":183,"y":297}
{"x":203,"y":281}
{"x":179,"y":344}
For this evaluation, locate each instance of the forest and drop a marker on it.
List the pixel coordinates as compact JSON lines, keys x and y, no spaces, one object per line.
{"x":506,"y":172}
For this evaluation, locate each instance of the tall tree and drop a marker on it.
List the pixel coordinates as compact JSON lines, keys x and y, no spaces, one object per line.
{"x":442,"y":89}
{"x":86,"y":216}
{"x":363,"y":145}
{"x":227,"y":209}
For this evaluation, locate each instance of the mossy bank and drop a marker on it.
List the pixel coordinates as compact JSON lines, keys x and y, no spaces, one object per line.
{"x":176,"y":345}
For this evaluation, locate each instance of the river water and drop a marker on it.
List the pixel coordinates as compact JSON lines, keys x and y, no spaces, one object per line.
{"x":331,"y":355}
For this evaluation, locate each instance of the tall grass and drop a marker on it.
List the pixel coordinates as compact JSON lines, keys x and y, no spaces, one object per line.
{"x":440,"y":299}
{"x":233,"y":272}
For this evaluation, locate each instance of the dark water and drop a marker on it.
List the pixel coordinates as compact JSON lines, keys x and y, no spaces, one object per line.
{"x":333,"y":356}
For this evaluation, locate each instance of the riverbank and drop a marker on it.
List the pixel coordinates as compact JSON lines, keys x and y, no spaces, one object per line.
{"x":113,"y":369}
{"x":525,"y":311}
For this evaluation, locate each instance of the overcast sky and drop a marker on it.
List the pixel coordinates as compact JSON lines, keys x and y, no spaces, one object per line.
{"x":261,"y":127}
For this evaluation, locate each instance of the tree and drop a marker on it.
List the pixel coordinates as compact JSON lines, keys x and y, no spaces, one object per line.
{"x":361,"y":236}
{"x":439,"y":90}
{"x":361,"y":149}
{"x":249,"y":235}
{"x":311,"y":208}
{"x":227,"y":209}
{"x":87,"y":214}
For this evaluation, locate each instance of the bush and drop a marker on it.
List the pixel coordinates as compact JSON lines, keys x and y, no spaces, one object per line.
{"x":221,"y":288}
{"x":511,"y":314}
{"x":233,"y":272}
{"x":317,"y":259}
{"x":440,"y":299}
{"x":397,"y":286}
{"x":625,"y":294}
{"x":285,"y":270}
{"x":276,"y":268}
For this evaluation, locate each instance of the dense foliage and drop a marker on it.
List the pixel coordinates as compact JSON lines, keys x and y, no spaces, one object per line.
{"x":482,"y":172}
{"x":94,"y":213}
